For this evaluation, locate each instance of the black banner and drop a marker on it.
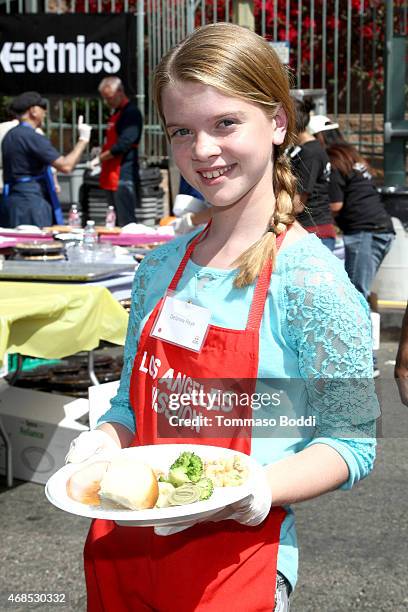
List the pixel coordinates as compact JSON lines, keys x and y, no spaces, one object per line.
{"x":66,"y":55}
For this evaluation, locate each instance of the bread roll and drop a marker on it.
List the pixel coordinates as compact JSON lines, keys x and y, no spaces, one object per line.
{"x":83,"y":486}
{"x":130,"y":483}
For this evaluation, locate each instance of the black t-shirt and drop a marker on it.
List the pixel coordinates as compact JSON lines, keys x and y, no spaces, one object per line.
{"x":26,"y":153}
{"x":363,"y":209}
{"x":311,"y":166}
{"x":129,"y":130}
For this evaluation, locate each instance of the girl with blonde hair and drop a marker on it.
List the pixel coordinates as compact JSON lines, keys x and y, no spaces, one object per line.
{"x":268,"y":302}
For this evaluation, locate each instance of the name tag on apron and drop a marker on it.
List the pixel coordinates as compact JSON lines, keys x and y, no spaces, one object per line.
{"x":182,"y":323}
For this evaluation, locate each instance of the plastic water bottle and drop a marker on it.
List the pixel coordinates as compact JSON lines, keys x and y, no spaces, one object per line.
{"x":74,"y":216}
{"x":90,"y":235}
{"x":110,"y":220}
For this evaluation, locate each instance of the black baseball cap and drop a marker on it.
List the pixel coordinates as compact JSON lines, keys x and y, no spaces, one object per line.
{"x":26,"y":100}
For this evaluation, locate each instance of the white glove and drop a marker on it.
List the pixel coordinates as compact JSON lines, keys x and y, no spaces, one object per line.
{"x":183,"y":225}
{"x":250,"y":511}
{"x":84,"y":130}
{"x":93,"y":163}
{"x":89,"y":443}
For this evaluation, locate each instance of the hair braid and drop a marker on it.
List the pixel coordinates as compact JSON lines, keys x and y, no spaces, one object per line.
{"x":251,"y":262}
{"x":284,"y":184}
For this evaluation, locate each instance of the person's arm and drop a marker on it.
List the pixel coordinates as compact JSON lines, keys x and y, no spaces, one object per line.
{"x":119,"y":433}
{"x":330,"y":328}
{"x":66,"y":163}
{"x":336,"y":207}
{"x":130,"y":133}
{"x":307,"y":170}
{"x":119,"y":421}
{"x":313,"y":471}
{"x":103,"y":157}
{"x":401,"y":363}
{"x":129,"y":128}
{"x":336,"y":191}
{"x":57,"y":185}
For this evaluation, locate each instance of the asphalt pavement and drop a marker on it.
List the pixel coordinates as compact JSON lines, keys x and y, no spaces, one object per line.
{"x":353,"y":545}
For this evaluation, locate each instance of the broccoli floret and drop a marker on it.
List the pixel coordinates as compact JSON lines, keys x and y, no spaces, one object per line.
{"x":178,"y":476}
{"x":205,"y":488}
{"x":188,"y":467}
{"x":182,"y":460}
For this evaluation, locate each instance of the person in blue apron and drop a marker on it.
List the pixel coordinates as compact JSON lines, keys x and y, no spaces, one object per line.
{"x":29,"y":195}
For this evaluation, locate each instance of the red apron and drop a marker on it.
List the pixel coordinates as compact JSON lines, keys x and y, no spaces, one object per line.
{"x":110,"y":171}
{"x":210,"y":566}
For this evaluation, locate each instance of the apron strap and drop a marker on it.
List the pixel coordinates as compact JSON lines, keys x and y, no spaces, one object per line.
{"x":58,"y":217}
{"x":261,"y":288}
{"x":17,"y":181}
{"x":261,"y":291}
{"x":187,"y":255}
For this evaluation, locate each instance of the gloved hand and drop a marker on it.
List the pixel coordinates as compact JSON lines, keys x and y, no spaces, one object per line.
{"x":250,"y":511}
{"x":183,"y":224}
{"x":93,"y":163}
{"x":84,"y":130}
{"x":88,"y":443}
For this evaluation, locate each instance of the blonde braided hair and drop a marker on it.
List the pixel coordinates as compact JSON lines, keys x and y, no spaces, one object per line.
{"x":251,"y":262}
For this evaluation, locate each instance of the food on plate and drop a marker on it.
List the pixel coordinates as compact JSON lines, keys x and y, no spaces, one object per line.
{"x":191,"y":479}
{"x":130,"y":483}
{"x":186,"y":494}
{"x":134,"y":485}
{"x":226,"y":472}
{"x":165,"y":490}
{"x":205,"y":488}
{"x":83,"y":486}
{"x":188,"y":467}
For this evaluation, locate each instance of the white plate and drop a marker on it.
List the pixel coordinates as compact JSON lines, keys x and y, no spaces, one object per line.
{"x":159,"y":457}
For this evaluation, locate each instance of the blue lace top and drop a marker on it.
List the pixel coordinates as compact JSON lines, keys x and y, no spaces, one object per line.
{"x":315,"y":331}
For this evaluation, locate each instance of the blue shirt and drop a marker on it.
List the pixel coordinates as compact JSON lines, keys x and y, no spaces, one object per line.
{"x":315,"y":328}
{"x":26,"y":153}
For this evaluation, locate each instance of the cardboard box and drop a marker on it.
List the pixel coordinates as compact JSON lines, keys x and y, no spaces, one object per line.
{"x":40,"y":427}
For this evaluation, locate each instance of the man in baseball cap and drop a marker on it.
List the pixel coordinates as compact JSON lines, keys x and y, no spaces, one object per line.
{"x":26,"y":100}
{"x":320,"y":123}
{"x":29,"y":195}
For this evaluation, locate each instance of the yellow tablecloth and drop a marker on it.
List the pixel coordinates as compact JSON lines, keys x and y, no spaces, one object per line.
{"x":54,"y":320}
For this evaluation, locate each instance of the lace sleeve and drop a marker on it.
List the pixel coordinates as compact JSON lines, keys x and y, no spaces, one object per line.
{"x":329,"y":327}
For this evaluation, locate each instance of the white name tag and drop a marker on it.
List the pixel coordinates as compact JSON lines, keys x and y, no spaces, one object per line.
{"x":182,"y":323}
